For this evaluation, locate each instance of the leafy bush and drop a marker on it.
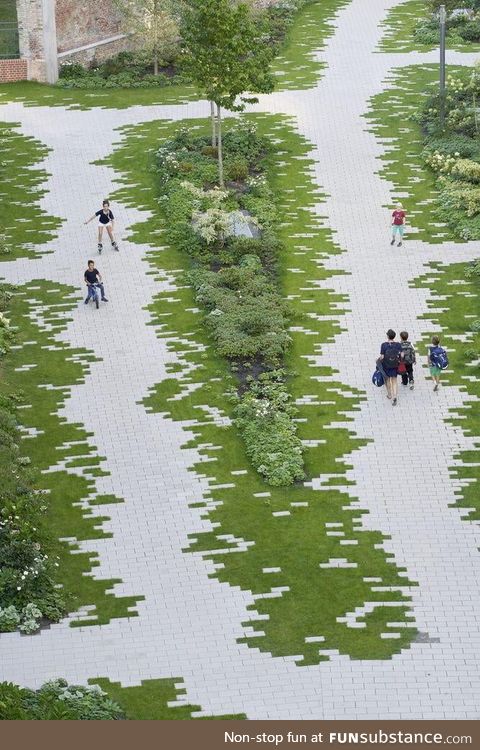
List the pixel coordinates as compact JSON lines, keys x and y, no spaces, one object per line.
{"x":57,"y":700}
{"x":470,"y":31}
{"x":237,"y":170}
{"x":264,"y":415}
{"x":247,"y":316}
{"x":125,"y":70}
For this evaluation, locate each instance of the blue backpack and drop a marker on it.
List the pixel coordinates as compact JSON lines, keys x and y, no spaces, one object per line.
{"x":378,"y":379}
{"x":438,"y":357}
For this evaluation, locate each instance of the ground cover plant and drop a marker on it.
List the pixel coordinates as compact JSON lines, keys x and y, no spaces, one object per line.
{"x":414,"y":26}
{"x":57,"y":700}
{"x":455,"y":312}
{"x":36,"y":374}
{"x":24,"y":232}
{"x":319,"y":580}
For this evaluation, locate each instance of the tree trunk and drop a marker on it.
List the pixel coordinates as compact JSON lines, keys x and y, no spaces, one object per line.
{"x":214,"y":124}
{"x":155,"y":62}
{"x":220,"y":150}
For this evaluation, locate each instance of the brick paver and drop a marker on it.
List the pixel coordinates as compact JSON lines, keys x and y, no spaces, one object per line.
{"x":188,"y":624}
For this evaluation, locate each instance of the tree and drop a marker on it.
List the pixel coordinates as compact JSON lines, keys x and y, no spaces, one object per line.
{"x":225,"y":53}
{"x":155,"y":24}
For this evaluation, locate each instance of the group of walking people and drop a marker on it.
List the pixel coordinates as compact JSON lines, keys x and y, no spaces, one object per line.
{"x":399,"y":357}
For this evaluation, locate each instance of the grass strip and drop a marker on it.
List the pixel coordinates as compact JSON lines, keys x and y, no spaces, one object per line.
{"x":155,"y":700}
{"x":40,"y":370}
{"x":455,"y":312}
{"x":296,"y":67}
{"x":24,"y":226}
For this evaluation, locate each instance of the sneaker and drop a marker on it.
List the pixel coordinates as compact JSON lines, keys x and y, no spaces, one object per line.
{"x":412,"y":386}
{"x":394,"y":402}
{"x":87,"y":301}
{"x":399,"y":244}
{"x":392,"y":242}
{"x":104,"y":299}
{"x":115,"y":246}
{"x":436,"y":388}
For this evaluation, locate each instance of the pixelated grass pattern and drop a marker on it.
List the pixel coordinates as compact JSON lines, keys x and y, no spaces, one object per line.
{"x":43,"y":369}
{"x":303,"y":554}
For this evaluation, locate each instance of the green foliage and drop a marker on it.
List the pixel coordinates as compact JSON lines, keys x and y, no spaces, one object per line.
{"x":247,"y":317}
{"x":125,"y":70}
{"x":57,"y":700}
{"x":264,"y":416}
{"x":453,"y":153}
{"x":224,"y":51}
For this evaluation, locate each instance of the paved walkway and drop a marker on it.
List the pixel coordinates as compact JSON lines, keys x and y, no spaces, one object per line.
{"x":188,"y":624}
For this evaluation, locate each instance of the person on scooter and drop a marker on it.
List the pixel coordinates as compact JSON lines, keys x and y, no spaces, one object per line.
{"x":92,"y":276}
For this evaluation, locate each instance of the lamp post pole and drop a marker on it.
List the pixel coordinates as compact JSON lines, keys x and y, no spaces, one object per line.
{"x":443,"y":21}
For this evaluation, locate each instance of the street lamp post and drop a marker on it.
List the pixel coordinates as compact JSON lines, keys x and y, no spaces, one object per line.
{"x":443,"y":21}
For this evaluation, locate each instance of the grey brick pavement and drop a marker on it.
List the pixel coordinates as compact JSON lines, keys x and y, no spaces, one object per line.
{"x":188,"y":624}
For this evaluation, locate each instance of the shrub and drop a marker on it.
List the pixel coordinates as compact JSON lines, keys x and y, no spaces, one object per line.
{"x":426,"y":33}
{"x":237,"y":170}
{"x":470,"y":31}
{"x":264,"y":415}
{"x":57,"y":700}
{"x":466,"y":169}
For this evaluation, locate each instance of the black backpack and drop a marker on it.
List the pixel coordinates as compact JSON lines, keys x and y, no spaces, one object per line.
{"x":408,"y":353}
{"x":391,"y":357}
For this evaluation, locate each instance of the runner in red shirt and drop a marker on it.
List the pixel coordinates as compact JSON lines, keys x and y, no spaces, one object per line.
{"x":398,"y":224}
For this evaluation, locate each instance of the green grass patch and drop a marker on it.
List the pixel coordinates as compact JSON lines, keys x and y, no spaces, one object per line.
{"x":41,"y":370}
{"x":400,"y":25}
{"x":24,"y":225}
{"x":271,"y":541}
{"x":390,"y":119}
{"x":454,"y":310}
{"x":295,"y":67}
{"x":8,"y":12}
{"x":151,"y":699}
{"x":43,"y":95}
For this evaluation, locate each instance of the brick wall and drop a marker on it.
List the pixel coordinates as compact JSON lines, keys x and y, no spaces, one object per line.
{"x":84,"y":22}
{"x":13,"y":70}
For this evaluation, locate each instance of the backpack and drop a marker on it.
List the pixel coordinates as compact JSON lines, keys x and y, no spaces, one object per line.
{"x":408,"y":353}
{"x":378,"y":379}
{"x":391,"y":357}
{"x":438,"y":357}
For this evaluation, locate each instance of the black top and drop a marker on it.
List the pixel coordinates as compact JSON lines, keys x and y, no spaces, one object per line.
{"x":103,"y":217}
{"x":91,"y":276}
